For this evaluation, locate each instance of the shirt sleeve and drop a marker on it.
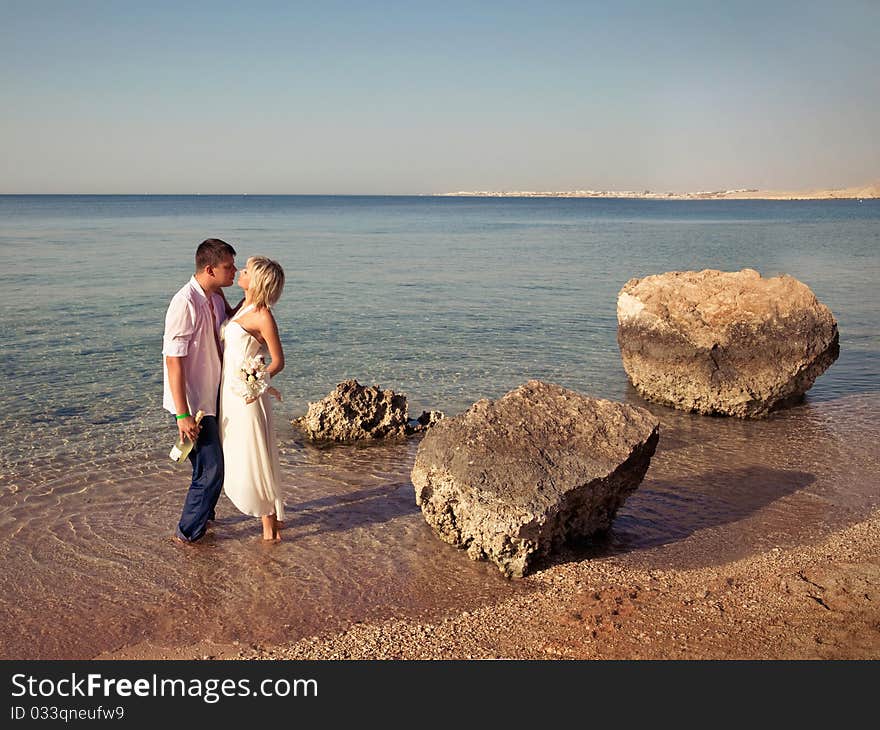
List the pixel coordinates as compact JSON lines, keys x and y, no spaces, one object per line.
{"x":180,"y":323}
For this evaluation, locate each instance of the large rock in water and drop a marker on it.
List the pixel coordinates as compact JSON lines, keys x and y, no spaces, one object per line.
{"x":513,"y":479}
{"x":723,"y":343}
{"x":354,"y":412}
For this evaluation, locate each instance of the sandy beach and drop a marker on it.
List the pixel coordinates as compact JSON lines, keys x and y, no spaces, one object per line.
{"x":814,"y":602}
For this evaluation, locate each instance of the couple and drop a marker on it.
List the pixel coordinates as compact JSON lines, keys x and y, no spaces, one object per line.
{"x":236,"y":449}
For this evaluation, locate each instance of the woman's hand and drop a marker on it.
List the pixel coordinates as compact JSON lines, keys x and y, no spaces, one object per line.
{"x":270,"y":390}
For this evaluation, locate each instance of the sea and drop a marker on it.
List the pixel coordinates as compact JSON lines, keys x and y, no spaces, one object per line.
{"x":446,"y":299}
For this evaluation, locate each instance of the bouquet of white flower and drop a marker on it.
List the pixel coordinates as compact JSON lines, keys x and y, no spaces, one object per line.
{"x":253,"y":380}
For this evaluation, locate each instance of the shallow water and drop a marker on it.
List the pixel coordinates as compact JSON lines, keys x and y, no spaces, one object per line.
{"x":448,"y":301}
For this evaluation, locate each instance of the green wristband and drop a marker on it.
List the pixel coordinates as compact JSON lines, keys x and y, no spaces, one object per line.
{"x":181,"y":416}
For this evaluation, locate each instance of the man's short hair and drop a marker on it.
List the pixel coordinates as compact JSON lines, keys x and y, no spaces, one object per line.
{"x":212,"y":252}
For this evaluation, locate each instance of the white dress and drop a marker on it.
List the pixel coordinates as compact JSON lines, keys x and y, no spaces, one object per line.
{"x":250,"y":452}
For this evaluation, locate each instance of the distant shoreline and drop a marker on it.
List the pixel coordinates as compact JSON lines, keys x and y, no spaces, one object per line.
{"x":866,"y":192}
{"x":853,"y":193}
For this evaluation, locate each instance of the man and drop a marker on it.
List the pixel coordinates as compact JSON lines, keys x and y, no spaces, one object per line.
{"x":193,"y":358}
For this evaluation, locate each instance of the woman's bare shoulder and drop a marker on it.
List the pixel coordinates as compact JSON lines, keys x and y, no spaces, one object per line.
{"x":264,"y":316}
{"x":260,"y":320}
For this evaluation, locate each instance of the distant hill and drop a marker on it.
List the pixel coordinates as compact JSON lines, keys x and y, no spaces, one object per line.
{"x":862,"y":191}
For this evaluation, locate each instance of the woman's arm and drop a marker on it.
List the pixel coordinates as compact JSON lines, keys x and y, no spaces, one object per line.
{"x":269,"y":333}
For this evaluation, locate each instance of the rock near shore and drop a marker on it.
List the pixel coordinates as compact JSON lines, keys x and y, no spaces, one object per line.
{"x":353,"y":412}
{"x":723,"y":343}
{"x":514,"y":479}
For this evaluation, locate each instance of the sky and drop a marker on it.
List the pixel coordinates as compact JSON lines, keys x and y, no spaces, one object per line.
{"x":412,"y":98}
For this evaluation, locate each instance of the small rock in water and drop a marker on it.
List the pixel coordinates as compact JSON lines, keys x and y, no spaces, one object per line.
{"x":353,"y":412}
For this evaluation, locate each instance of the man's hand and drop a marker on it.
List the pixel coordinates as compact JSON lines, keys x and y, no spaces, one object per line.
{"x":188,"y":428}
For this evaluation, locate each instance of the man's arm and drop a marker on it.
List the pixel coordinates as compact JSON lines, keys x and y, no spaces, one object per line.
{"x":179,"y":326}
{"x":230,"y":310}
{"x":186,"y":427}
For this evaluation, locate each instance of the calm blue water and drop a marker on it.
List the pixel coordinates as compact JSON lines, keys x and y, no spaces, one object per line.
{"x":448,"y":300}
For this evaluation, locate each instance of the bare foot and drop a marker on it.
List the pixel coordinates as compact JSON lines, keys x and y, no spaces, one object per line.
{"x":271,"y":528}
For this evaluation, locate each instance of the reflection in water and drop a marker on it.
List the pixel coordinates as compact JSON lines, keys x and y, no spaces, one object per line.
{"x":89,"y":566}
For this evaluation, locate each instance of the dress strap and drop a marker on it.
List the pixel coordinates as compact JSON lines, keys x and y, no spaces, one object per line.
{"x":240,"y":312}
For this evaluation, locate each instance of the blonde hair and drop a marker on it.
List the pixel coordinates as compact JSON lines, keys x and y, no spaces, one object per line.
{"x":267,"y":281}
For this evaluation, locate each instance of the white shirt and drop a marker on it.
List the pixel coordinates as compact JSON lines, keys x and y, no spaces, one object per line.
{"x":189,"y":333}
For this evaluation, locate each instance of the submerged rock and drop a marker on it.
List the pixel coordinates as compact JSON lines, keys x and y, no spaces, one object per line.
{"x":425,"y":421}
{"x":512,"y":480}
{"x":354,"y":412}
{"x":727,"y":343}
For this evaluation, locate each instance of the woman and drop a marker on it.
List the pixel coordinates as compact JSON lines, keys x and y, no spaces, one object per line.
{"x":247,"y":432}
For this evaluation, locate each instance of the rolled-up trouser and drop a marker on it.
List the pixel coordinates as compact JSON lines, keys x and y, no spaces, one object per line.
{"x":207,"y":482}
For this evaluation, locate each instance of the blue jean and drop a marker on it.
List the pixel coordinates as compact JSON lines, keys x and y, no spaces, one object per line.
{"x":207,"y":481}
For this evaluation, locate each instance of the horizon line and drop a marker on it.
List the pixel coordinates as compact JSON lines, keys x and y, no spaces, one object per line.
{"x":720,"y":195}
